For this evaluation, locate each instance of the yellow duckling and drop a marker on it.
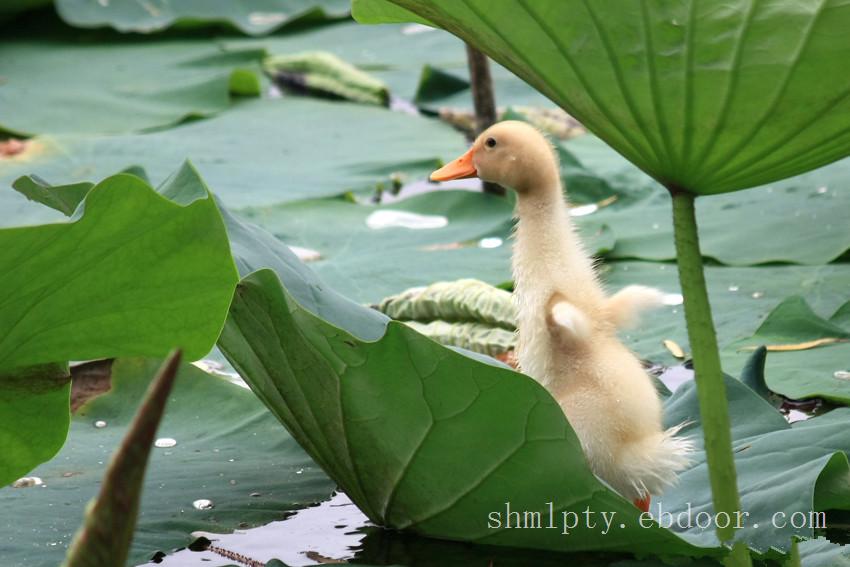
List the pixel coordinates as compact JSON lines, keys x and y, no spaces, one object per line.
{"x":568,"y":325}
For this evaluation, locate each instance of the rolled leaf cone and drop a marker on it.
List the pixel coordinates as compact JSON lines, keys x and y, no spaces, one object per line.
{"x":465,"y":300}
{"x":328,"y":74}
{"x":107,"y":532}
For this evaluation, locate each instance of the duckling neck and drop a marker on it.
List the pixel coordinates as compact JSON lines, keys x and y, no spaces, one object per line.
{"x":548,"y":257}
{"x":548,"y":254}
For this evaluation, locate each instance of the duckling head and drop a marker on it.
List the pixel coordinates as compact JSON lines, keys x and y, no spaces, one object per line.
{"x":511,"y":153}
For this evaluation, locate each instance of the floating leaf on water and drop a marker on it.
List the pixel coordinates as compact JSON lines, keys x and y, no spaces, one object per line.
{"x":465,"y":300}
{"x":202,"y":504}
{"x":325,"y":73}
{"x":674,"y":348}
{"x":27,"y":482}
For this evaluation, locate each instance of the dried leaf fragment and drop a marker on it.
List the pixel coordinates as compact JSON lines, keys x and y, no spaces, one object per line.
{"x":674,"y":348}
{"x":806,"y":345}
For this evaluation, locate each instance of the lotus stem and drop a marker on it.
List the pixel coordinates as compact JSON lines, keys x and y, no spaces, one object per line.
{"x":483,"y":100}
{"x":711,"y":389}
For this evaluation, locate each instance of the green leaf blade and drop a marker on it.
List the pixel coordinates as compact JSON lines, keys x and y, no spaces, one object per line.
{"x":139,"y":291}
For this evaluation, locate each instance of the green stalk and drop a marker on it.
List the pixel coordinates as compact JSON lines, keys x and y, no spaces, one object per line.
{"x":711,"y":390}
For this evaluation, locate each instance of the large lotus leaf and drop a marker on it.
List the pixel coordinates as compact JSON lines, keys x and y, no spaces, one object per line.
{"x":703,"y":97}
{"x":398,"y":55}
{"x":741,"y":299}
{"x":253,"y":17}
{"x":260,"y":152}
{"x":370,"y":252}
{"x":229,"y":450}
{"x":111,"y":85}
{"x":132,"y":273}
{"x":383,"y":417}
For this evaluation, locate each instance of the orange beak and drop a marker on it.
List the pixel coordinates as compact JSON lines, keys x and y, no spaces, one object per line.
{"x":460,"y":168}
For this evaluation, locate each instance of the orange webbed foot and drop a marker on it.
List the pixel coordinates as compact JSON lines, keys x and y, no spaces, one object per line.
{"x":642,"y":503}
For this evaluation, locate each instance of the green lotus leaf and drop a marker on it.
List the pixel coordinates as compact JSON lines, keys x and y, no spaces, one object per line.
{"x":254,"y":17}
{"x":326,"y":74}
{"x":383,"y":417}
{"x":383,"y":13}
{"x":436,"y":84}
{"x":81,"y":281}
{"x":169,"y":80}
{"x":133,"y":272}
{"x":465,"y":300}
{"x":63,"y":198}
{"x":753,"y":375}
{"x":466,"y":313}
{"x":704,"y":98}
{"x":793,"y":321}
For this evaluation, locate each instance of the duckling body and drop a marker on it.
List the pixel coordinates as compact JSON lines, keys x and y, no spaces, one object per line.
{"x":567,"y":324}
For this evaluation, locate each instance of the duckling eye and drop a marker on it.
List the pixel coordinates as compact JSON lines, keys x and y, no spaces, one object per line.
{"x":490,"y":142}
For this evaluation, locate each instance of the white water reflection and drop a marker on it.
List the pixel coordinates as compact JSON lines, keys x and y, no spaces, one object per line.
{"x":389,"y":218}
{"x":305,"y":538}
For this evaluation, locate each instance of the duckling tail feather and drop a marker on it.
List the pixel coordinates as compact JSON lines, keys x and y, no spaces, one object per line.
{"x":654,"y":463}
{"x":626,"y":305}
